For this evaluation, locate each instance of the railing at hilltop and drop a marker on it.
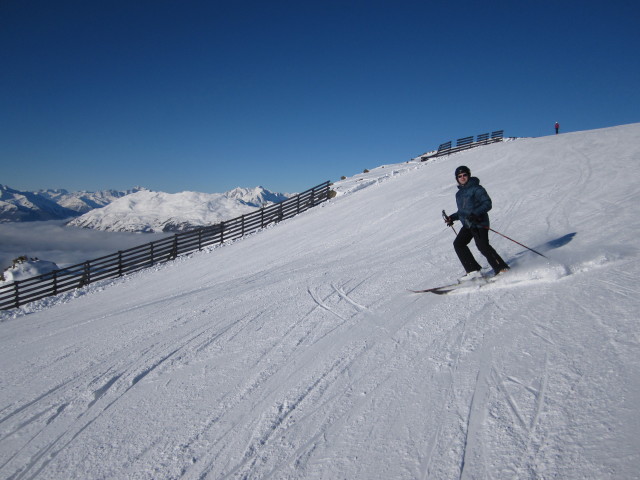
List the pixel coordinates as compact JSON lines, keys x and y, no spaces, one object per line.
{"x":20,"y":292}
{"x":465,"y":143}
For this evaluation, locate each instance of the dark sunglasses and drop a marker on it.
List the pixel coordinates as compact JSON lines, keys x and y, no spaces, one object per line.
{"x":463,"y":175}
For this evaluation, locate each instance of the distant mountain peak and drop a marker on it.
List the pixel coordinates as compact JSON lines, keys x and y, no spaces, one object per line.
{"x":256,"y":196}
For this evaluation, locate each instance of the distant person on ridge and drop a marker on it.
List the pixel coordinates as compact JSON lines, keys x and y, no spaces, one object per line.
{"x":473,"y":203}
{"x":557,"y":127}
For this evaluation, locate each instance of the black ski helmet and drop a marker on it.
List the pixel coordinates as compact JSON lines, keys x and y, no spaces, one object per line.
{"x":462,"y":169}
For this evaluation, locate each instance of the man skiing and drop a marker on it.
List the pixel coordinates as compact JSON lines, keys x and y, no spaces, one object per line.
{"x":557,"y":127}
{"x":473,"y":203}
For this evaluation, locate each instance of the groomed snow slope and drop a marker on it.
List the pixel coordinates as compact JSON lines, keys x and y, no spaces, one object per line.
{"x":298,"y":352}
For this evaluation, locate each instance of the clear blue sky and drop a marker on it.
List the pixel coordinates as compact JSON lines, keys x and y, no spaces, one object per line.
{"x":209,"y":95}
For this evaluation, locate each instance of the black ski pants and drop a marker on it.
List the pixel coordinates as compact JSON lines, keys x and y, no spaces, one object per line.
{"x":481,"y":236}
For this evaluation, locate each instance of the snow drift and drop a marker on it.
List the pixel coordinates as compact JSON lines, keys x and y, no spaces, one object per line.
{"x":298,"y":352}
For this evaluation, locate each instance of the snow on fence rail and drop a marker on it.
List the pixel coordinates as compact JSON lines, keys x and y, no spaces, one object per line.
{"x":128,"y":261}
{"x":465,"y":143}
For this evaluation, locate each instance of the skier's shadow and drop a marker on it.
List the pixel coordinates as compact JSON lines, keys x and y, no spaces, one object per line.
{"x":543,"y":248}
{"x":557,"y":243}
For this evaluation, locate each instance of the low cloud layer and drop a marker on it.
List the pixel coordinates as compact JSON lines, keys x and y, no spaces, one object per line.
{"x":65,"y":246}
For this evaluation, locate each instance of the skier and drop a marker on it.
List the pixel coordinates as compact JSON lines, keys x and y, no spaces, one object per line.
{"x":557,"y":127}
{"x":473,"y":203}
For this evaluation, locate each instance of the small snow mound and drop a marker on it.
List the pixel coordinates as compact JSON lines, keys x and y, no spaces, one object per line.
{"x":24,"y":268}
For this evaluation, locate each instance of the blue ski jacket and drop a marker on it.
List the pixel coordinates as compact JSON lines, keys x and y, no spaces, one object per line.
{"x":472,"y":199}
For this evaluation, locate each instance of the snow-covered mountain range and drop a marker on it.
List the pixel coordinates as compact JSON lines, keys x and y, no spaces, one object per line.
{"x":135,"y":210}
{"x":20,"y":206}
{"x":17,"y":206}
{"x":147,"y":211}
{"x":83,"y":201}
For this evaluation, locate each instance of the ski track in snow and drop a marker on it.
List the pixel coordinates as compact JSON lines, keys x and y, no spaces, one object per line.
{"x":316,"y":398}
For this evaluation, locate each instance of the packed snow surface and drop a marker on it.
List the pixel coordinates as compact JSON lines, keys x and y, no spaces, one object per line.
{"x":298,"y":352}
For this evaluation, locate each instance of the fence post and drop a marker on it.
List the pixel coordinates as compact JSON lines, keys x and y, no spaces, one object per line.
{"x":119,"y":263}
{"x":174,"y":249}
{"x":55,"y":282}
{"x":16,"y":293}
{"x":85,"y":280}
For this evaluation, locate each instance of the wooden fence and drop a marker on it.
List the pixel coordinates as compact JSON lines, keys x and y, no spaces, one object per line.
{"x":465,"y":143}
{"x":128,"y":261}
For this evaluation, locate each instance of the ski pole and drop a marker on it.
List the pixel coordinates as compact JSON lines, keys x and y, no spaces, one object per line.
{"x":516,"y":242}
{"x":446,"y":218}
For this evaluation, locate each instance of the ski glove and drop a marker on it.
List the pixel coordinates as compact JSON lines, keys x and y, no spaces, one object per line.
{"x":448,"y":221}
{"x":475,"y":218}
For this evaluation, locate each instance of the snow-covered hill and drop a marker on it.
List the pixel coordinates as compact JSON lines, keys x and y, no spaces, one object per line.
{"x":298,"y":353}
{"x":148,"y":211}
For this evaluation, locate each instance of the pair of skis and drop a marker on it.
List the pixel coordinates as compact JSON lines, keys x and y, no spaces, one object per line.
{"x":438,"y":290}
{"x":444,"y":289}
